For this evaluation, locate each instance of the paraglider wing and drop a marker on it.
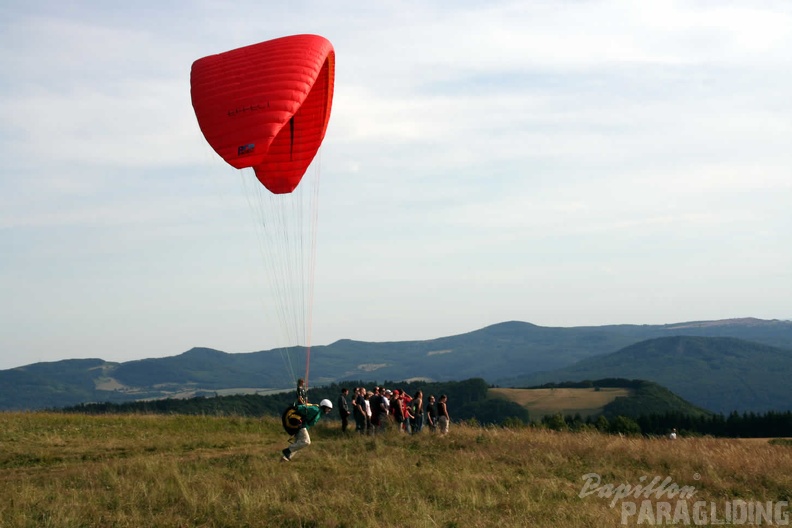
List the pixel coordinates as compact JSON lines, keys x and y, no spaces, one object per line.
{"x":267,"y":105}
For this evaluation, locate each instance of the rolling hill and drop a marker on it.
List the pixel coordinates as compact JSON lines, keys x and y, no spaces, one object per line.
{"x":589,"y":401}
{"x":718,"y":373}
{"x":496,"y":353}
{"x":608,"y":397}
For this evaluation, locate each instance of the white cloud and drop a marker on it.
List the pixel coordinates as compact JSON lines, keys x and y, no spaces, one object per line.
{"x":559,"y":162}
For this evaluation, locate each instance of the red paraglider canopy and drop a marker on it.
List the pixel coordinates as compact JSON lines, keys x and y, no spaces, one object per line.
{"x":267,"y":105}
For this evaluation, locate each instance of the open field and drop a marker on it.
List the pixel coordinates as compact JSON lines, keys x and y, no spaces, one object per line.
{"x":540,"y":402}
{"x":187,"y":471}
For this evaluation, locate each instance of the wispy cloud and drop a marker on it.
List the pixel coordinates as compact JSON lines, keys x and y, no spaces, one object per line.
{"x":546,"y":161}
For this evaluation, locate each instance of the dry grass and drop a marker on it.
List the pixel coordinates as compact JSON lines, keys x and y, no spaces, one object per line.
{"x":142,"y":471}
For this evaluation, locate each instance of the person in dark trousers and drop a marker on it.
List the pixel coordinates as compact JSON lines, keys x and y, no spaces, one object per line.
{"x":416,"y":422}
{"x":359,"y":409}
{"x":443,"y":419}
{"x":431,"y":413}
{"x":343,"y":409}
{"x":397,"y":410}
{"x":379,"y":410}
{"x":310,"y":414}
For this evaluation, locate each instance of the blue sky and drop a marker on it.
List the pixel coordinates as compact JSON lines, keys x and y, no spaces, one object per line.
{"x":564,"y":163}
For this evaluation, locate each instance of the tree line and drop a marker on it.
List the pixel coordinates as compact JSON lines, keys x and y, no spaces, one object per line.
{"x":468,"y":401}
{"x":772,"y":424}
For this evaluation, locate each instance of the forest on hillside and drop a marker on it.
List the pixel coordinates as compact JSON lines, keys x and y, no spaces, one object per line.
{"x":772,"y":424}
{"x":469,"y":402}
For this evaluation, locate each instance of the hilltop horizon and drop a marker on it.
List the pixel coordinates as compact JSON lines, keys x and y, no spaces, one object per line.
{"x":497,"y":353}
{"x":703,"y":323}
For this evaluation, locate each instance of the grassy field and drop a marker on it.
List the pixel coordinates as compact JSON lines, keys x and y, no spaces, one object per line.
{"x":179,"y":471}
{"x":541,"y":402}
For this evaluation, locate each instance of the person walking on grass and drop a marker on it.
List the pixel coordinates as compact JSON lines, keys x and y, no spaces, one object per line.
{"x":442,"y":414}
{"x":310,"y":414}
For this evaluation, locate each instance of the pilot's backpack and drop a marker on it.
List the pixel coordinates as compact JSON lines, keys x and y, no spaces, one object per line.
{"x":292,"y":421}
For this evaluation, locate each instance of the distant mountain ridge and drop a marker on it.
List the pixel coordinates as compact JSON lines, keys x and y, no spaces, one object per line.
{"x":721,"y":374}
{"x":495,"y":353}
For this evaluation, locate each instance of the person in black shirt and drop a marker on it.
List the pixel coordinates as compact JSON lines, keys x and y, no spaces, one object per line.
{"x":343,"y":409}
{"x":359,"y":409}
{"x":443,"y":420}
{"x":431,"y":413}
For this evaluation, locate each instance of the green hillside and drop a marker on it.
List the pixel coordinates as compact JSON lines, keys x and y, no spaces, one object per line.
{"x":470,"y":400}
{"x":719,"y":374}
{"x":608,"y":397}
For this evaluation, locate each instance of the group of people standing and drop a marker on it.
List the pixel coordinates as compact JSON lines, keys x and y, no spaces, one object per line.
{"x":380,"y":409}
{"x":374,"y":411}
